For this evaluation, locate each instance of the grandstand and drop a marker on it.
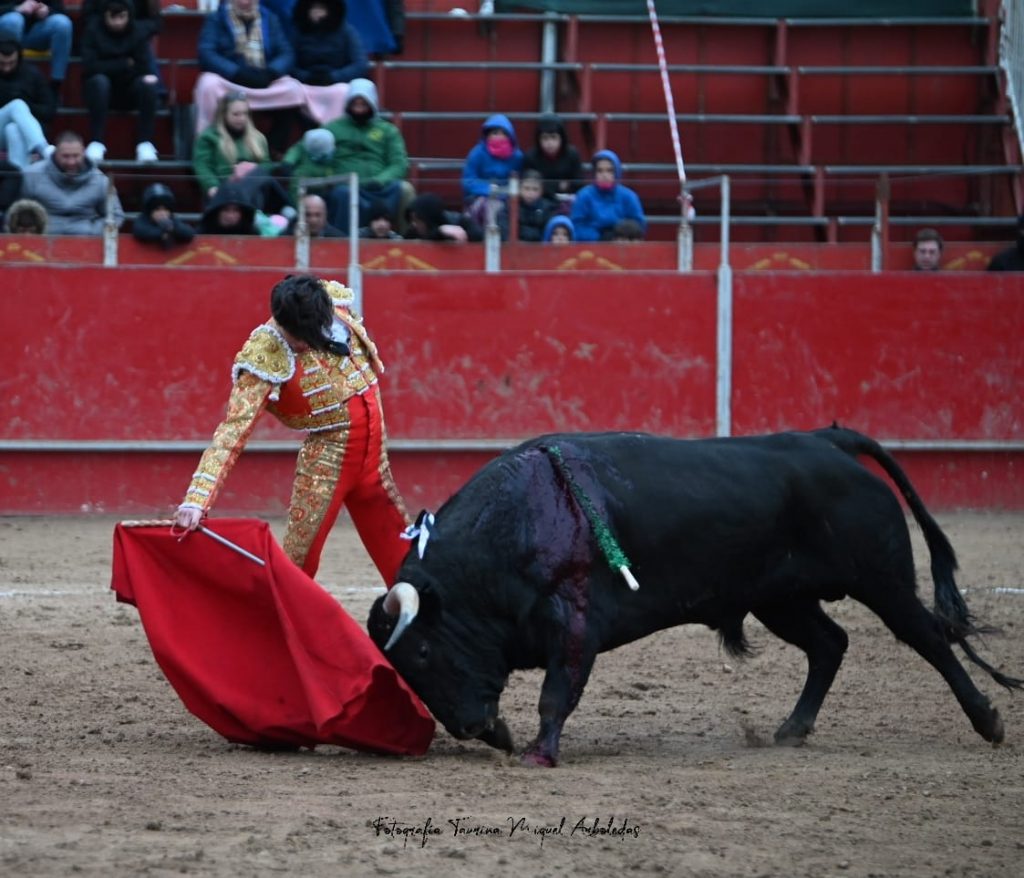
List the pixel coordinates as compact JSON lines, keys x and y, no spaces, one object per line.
{"x":839,"y":139}
{"x":806,"y":115}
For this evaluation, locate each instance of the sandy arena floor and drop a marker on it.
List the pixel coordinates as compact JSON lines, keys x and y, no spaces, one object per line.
{"x":103,"y":771}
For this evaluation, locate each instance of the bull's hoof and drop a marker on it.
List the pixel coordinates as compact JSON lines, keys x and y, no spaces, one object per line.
{"x":996,"y":732}
{"x":792,"y":735}
{"x":533,"y":759}
{"x":499,"y":737}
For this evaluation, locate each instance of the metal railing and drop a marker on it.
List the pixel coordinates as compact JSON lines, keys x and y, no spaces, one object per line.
{"x":1011,"y":59}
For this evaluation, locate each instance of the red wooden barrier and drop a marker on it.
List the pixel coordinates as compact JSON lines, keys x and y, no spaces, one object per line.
{"x":142,"y":353}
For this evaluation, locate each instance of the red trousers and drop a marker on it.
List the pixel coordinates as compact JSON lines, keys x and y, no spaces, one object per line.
{"x":348,"y":466}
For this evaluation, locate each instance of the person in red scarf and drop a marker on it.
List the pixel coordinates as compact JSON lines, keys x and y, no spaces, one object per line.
{"x":313,"y":367}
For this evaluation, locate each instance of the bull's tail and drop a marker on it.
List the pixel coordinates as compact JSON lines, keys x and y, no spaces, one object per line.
{"x":950,"y":607}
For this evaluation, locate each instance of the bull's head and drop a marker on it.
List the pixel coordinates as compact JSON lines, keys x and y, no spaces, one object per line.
{"x":443,"y":662}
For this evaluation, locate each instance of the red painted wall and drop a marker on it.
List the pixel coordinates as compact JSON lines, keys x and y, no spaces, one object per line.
{"x":144,"y":354}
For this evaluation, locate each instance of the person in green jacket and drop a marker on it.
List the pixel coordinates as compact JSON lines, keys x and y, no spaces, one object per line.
{"x":373,"y":148}
{"x":232,"y":149}
{"x":313,"y":156}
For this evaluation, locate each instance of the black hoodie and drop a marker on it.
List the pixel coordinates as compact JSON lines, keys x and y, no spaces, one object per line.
{"x":166,"y":233}
{"x":564,"y":172}
{"x":229,"y":193}
{"x":328,"y":52}
{"x":122,"y":56}
{"x":27,"y":83}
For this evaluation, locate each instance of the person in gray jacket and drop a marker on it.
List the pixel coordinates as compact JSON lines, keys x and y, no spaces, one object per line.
{"x":71,"y":189}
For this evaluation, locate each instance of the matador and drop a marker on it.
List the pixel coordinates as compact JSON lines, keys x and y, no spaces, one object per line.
{"x":314,"y":367}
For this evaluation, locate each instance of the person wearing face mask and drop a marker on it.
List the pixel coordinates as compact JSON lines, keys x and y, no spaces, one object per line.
{"x":494,"y":159}
{"x":374,"y":149}
{"x":599,"y":206}
{"x":1011,"y":259}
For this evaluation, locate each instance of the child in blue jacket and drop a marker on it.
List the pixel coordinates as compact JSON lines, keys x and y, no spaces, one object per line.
{"x":599,"y":206}
{"x":492,"y":160}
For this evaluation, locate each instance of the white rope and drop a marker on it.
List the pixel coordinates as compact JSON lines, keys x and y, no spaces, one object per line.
{"x":667,"y":88}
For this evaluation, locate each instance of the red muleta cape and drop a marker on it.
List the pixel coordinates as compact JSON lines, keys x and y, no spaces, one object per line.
{"x":262,"y":654}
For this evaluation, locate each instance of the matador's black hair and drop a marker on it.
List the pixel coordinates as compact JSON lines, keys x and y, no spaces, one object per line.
{"x":302,"y":307}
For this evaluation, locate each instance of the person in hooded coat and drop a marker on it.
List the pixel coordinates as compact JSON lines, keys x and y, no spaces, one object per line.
{"x":1011,"y":259}
{"x":559,"y":230}
{"x":231,"y":212}
{"x":557,"y":160}
{"x":313,"y":156}
{"x":157,"y":223}
{"x":374,"y":149}
{"x":25,"y":217}
{"x":429,"y":221}
{"x":115,"y":69}
{"x":328,"y":55}
{"x":26,"y":103}
{"x":327,"y":48}
{"x":494,"y":159}
{"x":599,"y":206}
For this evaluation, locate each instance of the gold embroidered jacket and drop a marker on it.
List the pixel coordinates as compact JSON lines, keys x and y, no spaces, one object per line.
{"x":305,"y":391}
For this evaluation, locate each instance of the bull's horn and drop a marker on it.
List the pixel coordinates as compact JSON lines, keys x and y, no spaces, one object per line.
{"x":403,"y":601}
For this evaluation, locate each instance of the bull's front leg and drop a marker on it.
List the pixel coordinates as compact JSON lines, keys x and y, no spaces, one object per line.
{"x":570,"y":659}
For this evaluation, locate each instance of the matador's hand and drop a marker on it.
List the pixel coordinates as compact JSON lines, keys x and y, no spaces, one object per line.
{"x":188,"y":518}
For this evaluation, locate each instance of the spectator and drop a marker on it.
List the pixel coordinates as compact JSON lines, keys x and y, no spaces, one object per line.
{"x":10,"y":184}
{"x":233,"y":149}
{"x":41,"y":25}
{"x":380,"y":226}
{"x":605,"y":201}
{"x":557,"y":160}
{"x":232,"y":212}
{"x":157,"y":223}
{"x":115,"y":68}
{"x":927,"y":250}
{"x":316,"y":218}
{"x":627,"y":230}
{"x":493,"y":160}
{"x":147,"y":13}
{"x":374,"y":149}
{"x":243,"y":49}
{"x":328,"y":55}
{"x":1011,"y":259}
{"x":534,"y":209}
{"x":429,"y":221}
{"x":25,"y":217}
{"x":25,"y":104}
{"x":313,"y":156}
{"x":72,"y":190}
{"x":559,"y":230}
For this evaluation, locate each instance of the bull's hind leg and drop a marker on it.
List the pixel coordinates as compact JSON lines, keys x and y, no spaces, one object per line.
{"x":907,"y":618}
{"x":805,"y":625}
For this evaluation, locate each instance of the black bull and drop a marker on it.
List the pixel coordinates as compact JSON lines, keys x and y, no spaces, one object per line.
{"x":514,"y":574}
